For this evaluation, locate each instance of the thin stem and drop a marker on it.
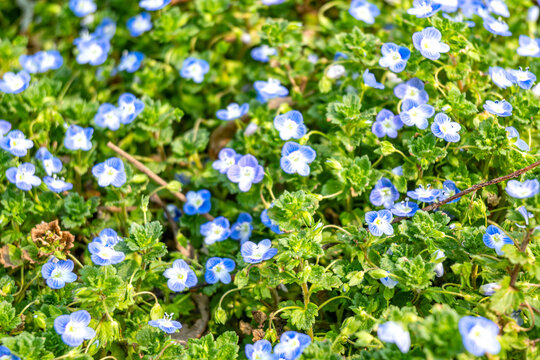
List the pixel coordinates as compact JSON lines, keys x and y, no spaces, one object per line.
{"x":75,"y":260}
{"x":332,"y":299}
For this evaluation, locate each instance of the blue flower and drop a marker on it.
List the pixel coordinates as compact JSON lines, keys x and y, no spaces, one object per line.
{"x":339,"y":55}
{"x":393,"y":333}
{"x":105,"y":29}
{"x":131,"y":61}
{"x":428,"y":42}
{"x":499,"y":76}
{"x":23,"y":176}
{"x":260,"y":350}
{"x":51,"y":164}
{"x":386,"y":124}
{"x":166,"y":324}
{"x":443,"y":127}
{"x":270,"y":89}
{"x":404,"y":208}
{"x":526,"y":215}
{"x":218,"y":269}
{"x":233,"y":111}
{"x":215,"y":230}
{"x":57,"y":185}
{"x":263,"y":53}
{"x":412,"y":90}
{"x":269,"y":223}
{"x":74,"y":328}
{"x":246,"y":172}
{"x":174,"y":212}
{"x":58,"y":272}
{"x":449,"y":189}
{"x":81,"y":8}
{"x":496,"y":26}
{"x":499,"y":108}
{"x":479,"y":335}
{"x":448,"y":6}
{"x":495,"y":238}
{"x":78,"y":138}
{"x":425,"y":195}
{"x":153,"y":5}
{"x":16,"y":143}
{"x":528,"y":47}
{"x":41,"y":61}
{"x":110,"y":172}
{"x":522,"y":190}
{"x":139,"y":24}
{"x":197,"y":202}
{"x":364,"y":11}
{"x":272,"y":2}
{"x":413,"y":114}
{"x":5,"y":126}
{"x":489,"y":289}
{"x":194,"y":69}
{"x":388,"y":282}
{"x":394,"y":57}
{"x":295,"y":158}
{"x":512,"y":133}
{"x":226,"y":158}
{"x":6,"y":354}
{"x":384,"y":193}
{"x":335,"y":71}
{"x":93,"y":51}
{"x":256,"y":253}
{"x":102,"y":248}
{"x":424,"y":8}
{"x":524,"y":79}
{"x":498,"y":7}
{"x":398,"y":170}
{"x":180,"y":276}
{"x":290,"y":125}
{"x":436,"y":258}
{"x":242,"y":228}
{"x":108,"y":116}
{"x":13,"y":83}
{"x":291,"y":345}
{"x":380,"y":222}
{"x":129,"y":107}
{"x":370,"y":80}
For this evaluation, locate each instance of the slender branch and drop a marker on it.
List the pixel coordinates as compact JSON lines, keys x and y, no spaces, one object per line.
{"x":515,"y":271}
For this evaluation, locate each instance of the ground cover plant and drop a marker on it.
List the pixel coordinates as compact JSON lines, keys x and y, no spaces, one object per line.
{"x":269,"y":179}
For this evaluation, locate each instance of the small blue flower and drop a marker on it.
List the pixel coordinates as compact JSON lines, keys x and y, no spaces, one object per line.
{"x":218,"y":269}
{"x":74,"y":328}
{"x":16,"y":143}
{"x":5,"y":354}
{"x":194,"y":69}
{"x":263,"y":53}
{"x":57,"y":185}
{"x":23,"y":176}
{"x":522,"y":190}
{"x":479,"y":335}
{"x":233,"y":111}
{"x":13,"y":83}
{"x":496,"y":26}
{"x":5,"y":126}
{"x":51,"y":164}
{"x":131,"y":61}
{"x":269,"y":223}
{"x":524,"y":79}
{"x":41,"y":61}
{"x":449,"y":189}
{"x":335,"y":71}
{"x":498,"y":7}
{"x":166,"y":324}
{"x":384,"y":193}
{"x":242,"y":228}
{"x":512,"y":133}
{"x":78,"y":138}
{"x":105,"y":29}
{"x":129,"y":107}
{"x":412,"y":90}
{"x":260,"y":350}
{"x":153,"y":5}
{"x":398,"y":170}
{"x":256,"y":253}
{"x":102,"y":248}
{"x":270,"y":89}
{"x":370,"y":80}
{"x":380,"y":222}
{"x":197,"y":202}
{"x":425,"y":195}
{"x":108,"y":116}
{"x":499,"y":76}
{"x":174,"y":212}
{"x":413,"y":114}
{"x":448,"y":6}
{"x":528,"y":47}
{"x":495,"y":238}
{"x":226,"y":158}
{"x":180,"y":276}
{"x":339,"y":55}
{"x":393,"y":333}
{"x":110,"y":172}
{"x":428,"y":42}
{"x":424,"y":8}
{"x":290,"y":125}
{"x":436,"y":258}
{"x":215,"y":230}
{"x":272,"y":2}
{"x":291,"y":345}
{"x":443,"y":127}
{"x":139,"y":24}
{"x":499,"y":108}
{"x":295,"y":158}
{"x":526,"y":215}
{"x":489,"y":289}
{"x":81,"y":8}
{"x":388,"y":282}
{"x":364,"y":11}
{"x":58,"y":272}
{"x":394,"y":57}
{"x":404,"y":208}
{"x":246,"y":172}
{"x":93,"y":51}
{"x":386,"y":124}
